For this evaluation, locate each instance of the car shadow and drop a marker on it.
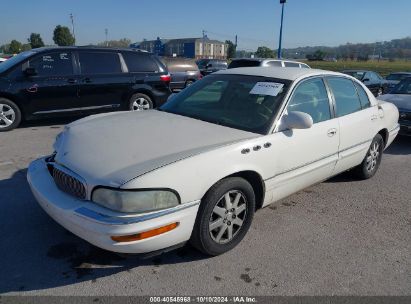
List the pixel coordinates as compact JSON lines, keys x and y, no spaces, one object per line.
{"x":49,"y":122}
{"x":400,"y":146}
{"x":37,"y":253}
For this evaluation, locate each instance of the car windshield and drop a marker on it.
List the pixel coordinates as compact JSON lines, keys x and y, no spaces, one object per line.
{"x":397,"y":77}
{"x":404,"y":87}
{"x":15,"y":60}
{"x":357,"y":74}
{"x":242,"y":102}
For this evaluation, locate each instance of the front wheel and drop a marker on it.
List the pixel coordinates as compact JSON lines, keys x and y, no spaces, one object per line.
{"x":372,"y":160}
{"x":140,"y":102}
{"x":10,"y":115}
{"x":224,"y":216}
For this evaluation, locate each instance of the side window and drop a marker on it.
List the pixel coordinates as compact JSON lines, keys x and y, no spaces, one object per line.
{"x":139,"y":63}
{"x":345,"y":94}
{"x":53,"y":64}
{"x":274,"y":63}
{"x":304,"y":66}
{"x":365,"y":101}
{"x":291,"y":64}
{"x":99,"y":63}
{"x":311,"y":97}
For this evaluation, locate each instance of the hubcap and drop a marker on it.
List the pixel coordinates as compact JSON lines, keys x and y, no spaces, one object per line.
{"x":140,"y":104}
{"x":7,"y":115}
{"x":372,"y":156}
{"x":228,"y":216}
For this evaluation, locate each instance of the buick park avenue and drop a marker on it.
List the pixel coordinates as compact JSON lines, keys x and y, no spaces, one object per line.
{"x":228,"y":145}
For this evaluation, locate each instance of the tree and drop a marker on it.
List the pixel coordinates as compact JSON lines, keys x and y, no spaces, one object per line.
{"x":14,"y":47}
{"x":26,"y":47}
{"x":122,"y":43}
{"x":231,"y":49}
{"x":318,"y":55}
{"x":264,"y":52}
{"x":62,"y":36}
{"x":35,"y":41}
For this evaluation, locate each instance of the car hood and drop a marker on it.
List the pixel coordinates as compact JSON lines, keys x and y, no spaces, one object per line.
{"x":401,"y":101}
{"x":111,"y":149}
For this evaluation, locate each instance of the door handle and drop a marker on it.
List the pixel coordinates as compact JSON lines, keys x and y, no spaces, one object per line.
{"x":87,"y":80}
{"x":331,"y":132}
{"x":33,"y":88}
{"x":71,"y":80}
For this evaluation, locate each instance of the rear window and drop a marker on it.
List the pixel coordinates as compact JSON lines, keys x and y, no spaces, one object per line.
{"x":291,"y":64}
{"x":243,"y":64}
{"x":99,"y":63}
{"x":139,"y":63}
{"x":274,"y":63}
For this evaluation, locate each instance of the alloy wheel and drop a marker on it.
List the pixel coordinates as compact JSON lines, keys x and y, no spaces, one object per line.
{"x":140,"y":104}
{"x":7,"y":115}
{"x":228,"y":216}
{"x":373,"y":156}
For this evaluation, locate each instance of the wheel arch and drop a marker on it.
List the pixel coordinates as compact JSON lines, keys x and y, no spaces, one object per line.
{"x":16,"y":101}
{"x":256,"y":181}
{"x":384,"y":134}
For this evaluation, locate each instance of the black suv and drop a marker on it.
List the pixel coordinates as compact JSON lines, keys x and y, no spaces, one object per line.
{"x":64,"y":81}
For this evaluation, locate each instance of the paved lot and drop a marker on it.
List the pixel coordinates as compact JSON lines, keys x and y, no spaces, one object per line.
{"x":341,"y":237}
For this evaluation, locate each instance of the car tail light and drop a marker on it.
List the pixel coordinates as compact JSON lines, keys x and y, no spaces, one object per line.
{"x":165,"y":78}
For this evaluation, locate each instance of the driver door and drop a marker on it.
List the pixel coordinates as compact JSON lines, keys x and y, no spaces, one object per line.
{"x":303,"y":157}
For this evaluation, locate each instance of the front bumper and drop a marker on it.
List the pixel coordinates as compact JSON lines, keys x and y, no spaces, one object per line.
{"x":96,"y":224}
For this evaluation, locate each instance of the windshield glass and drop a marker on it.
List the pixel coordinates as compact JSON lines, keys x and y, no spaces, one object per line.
{"x":356,"y":74}
{"x":404,"y":87}
{"x":243,"y":102}
{"x":15,"y":60}
{"x":397,"y":76}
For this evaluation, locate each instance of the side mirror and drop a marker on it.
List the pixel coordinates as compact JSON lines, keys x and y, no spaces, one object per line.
{"x":297,"y":120}
{"x":30,"y":72}
{"x":365,"y":80}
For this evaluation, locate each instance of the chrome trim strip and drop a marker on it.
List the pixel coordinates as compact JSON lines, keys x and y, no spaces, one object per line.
{"x":397,"y":127}
{"x":78,"y":109}
{"x":122,"y":220}
{"x":356,"y":145}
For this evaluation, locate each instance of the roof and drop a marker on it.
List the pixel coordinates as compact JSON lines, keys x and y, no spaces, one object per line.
{"x":278,"y":72}
{"x":86,"y":47}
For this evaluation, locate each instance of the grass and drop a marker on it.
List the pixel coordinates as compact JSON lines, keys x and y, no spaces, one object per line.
{"x":381,"y":67}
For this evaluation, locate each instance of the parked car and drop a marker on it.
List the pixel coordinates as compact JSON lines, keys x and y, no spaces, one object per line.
{"x":394,"y":78}
{"x":233,"y":142}
{"x":47,"y":82}
{"x":184,"y":72}
{"x":372,"y":80}
{"x":401,"y":97}
{"x":208,"y":66}
{"x":266,"y":62}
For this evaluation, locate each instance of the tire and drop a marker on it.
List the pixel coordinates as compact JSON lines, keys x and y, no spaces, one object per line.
{"x":10,"y":115}
{"x":188,"y":83}
{"x":140,"y":102}
{"x":372,"y":160}
{"x":215,"y":241}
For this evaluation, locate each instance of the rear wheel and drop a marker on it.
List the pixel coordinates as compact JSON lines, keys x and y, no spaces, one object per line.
{"x":140,"y":102}
{"x":224,"y":216}
{"x":10,"y":115}
{"x":372,"y":160}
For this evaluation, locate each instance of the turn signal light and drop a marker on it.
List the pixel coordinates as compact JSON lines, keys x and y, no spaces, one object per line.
{"x":144,"y":235}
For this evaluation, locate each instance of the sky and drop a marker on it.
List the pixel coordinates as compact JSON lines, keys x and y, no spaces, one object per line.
{"x":257,"y":23}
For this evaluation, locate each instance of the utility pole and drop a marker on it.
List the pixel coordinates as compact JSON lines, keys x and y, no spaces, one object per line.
{"x":235,"y":46}
{"x":72,"y":27}
{"x":282,"y":2}
{"x":106,"y":32}
{"x":204,"y":35}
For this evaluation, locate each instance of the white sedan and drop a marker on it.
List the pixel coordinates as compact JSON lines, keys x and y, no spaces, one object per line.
{"x":200,"y":166}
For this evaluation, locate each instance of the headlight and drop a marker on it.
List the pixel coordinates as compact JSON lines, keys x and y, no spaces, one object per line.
{"x":136,"y":201}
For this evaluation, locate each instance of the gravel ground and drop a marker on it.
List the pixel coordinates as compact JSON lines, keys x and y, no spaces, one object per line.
{"x":341,"y":237}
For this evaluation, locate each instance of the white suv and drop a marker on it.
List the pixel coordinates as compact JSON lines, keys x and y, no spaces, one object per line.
{"x":266,"y":62}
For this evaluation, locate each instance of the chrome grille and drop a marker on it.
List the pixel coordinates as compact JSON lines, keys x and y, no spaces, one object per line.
{"x":69,"y":184}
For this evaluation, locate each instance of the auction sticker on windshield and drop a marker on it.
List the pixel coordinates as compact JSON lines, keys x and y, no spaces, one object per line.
{"x":267,"y":88}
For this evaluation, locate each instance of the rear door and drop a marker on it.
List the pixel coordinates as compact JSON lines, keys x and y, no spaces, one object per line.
{"x":357,"y":120}
{"x":54,"y":88}
{"x":104,"y":81}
